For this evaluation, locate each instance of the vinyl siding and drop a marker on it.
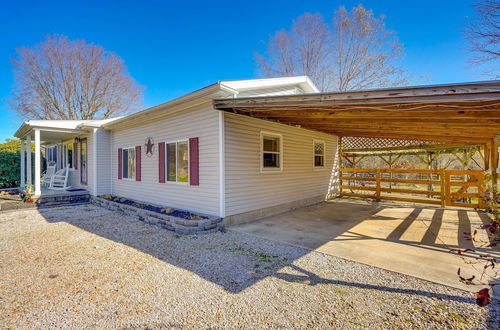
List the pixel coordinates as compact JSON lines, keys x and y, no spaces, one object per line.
{"x":271,"y":91}
{"x":248,"y":189}
{"x":90,"y":162}
{"x":103,"y":162}
{"x":201,"y":122}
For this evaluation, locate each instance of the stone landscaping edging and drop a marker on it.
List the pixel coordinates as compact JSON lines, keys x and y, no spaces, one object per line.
{"x":179,"y":225}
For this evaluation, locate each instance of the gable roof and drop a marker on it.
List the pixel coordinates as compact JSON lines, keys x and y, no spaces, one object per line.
{"x":303,"y":82}
{"x":221,"y":89}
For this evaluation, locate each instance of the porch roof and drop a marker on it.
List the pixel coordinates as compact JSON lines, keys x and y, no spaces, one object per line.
{"x":466,"y":113}
{"x":56,"y":130}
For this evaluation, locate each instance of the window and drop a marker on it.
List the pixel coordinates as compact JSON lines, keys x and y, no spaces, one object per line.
{"x":69,"y":155}
{"x":64,"y":155}
{"x":319,"y":154}
{"x":177,"y":161}
{"x":83,"y":161}
{"x":52,"y":154}
{"x":271,"y":147}
{"x":128,"y":163}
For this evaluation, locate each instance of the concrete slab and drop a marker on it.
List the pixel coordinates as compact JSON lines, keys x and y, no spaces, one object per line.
{"x":409,"y":239}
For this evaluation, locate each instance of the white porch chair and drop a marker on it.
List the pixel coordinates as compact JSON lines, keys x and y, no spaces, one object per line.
{"x":59,"y":180}
{"x":47,"y":176}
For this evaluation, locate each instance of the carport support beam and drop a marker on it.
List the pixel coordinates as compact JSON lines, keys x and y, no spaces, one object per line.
{"x":38,"y":161}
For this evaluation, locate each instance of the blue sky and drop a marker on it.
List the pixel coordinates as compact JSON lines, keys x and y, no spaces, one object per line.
{"x":174,"y":47}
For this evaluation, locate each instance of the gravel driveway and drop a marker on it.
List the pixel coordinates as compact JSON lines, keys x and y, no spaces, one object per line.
{"x":84,"y":266}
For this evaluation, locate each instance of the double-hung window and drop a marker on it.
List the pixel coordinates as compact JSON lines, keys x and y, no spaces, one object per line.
{"x":177,"y":154}
{"x":271,"y":151}
{"x":319,"y":153}
{"x":128,"y":163}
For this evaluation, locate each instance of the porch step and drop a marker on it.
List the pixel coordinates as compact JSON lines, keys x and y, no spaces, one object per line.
{"x":64,"y":199}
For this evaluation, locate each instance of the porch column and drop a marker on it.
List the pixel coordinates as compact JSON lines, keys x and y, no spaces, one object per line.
{"x":23,"y":165}
{"x":38,"y":161}
{"x":28,"y":160}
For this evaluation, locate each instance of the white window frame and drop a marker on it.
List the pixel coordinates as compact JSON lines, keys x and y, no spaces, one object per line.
{"x":314,"y":154}
{"x":280,"y":153}
{"x":166,"y":162}
{"x":51,"y":154}
{"x":135,"y":166}
{"x":66,"y":156}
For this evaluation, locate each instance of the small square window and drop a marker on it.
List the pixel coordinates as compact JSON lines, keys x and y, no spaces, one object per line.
{"x":319,"y":154}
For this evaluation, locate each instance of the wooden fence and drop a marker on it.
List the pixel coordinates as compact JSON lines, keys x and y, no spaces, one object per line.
{"x":440,"y":187}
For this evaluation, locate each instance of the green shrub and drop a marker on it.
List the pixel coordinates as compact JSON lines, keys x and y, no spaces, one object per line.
{"x":10,"y":163}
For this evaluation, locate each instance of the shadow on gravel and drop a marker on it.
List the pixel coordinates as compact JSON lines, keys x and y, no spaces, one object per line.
{"x":211,"y":256}
{"x":313,"y":279}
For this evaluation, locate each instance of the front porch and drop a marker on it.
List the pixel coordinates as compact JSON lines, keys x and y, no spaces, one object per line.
{"x":60,"y":145}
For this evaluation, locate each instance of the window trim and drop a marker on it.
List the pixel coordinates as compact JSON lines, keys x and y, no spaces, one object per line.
{"x":135,"y":164}
{"x":280,"y":153}
{"x":80,"y":155}
{"x":166,"y":161}
{"x":314,"y":154}
{"x":66,"y":158}
{"x":64,"y":155}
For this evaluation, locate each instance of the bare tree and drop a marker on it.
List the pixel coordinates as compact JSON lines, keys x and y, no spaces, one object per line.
{"x":483,"y":33}
{"x":70,"y":79}
{"x":356,"y":51}
{"x":303,"y":51}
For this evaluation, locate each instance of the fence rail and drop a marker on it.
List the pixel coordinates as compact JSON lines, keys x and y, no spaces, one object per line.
{"x":439,"y":187}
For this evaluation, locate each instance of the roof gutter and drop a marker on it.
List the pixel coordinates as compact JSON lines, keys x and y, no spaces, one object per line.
{"x":488,"y":90}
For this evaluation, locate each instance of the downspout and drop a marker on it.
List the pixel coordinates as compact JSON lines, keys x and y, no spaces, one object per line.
{"x":222,"y":158}
{"x":94,"y":161}
{"x":222,"y":172}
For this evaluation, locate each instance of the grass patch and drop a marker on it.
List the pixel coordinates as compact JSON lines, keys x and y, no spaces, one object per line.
{"x":252,"y":253}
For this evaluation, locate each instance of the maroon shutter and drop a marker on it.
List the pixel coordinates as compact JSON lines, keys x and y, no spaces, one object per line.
{"x":120,"y":159}
{"x":194,"y":163}
{"x":138,"y":163}
{"x":75,"y":156}
{"x":161,"y":162}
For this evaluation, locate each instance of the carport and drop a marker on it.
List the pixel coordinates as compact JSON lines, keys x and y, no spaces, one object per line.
{"x":422,"y":117}
{"x":414,"y":239}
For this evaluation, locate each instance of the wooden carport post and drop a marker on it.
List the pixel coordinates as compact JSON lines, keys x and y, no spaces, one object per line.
{"x":491,"y":160}
{"x":494,"y":160}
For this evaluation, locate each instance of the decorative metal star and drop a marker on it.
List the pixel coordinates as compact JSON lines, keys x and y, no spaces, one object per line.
{"x":149,"y":146}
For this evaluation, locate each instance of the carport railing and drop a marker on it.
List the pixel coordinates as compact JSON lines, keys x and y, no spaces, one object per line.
{"x":440,"y":187}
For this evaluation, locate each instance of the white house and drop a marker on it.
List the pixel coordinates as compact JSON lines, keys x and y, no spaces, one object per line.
{"x":186,"y":154}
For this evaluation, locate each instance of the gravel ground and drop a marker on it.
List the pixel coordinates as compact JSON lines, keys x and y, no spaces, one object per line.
{"x":84,"y":266}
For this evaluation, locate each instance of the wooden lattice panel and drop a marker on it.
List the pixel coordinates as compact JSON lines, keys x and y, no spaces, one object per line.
{"x":351,"y":142}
